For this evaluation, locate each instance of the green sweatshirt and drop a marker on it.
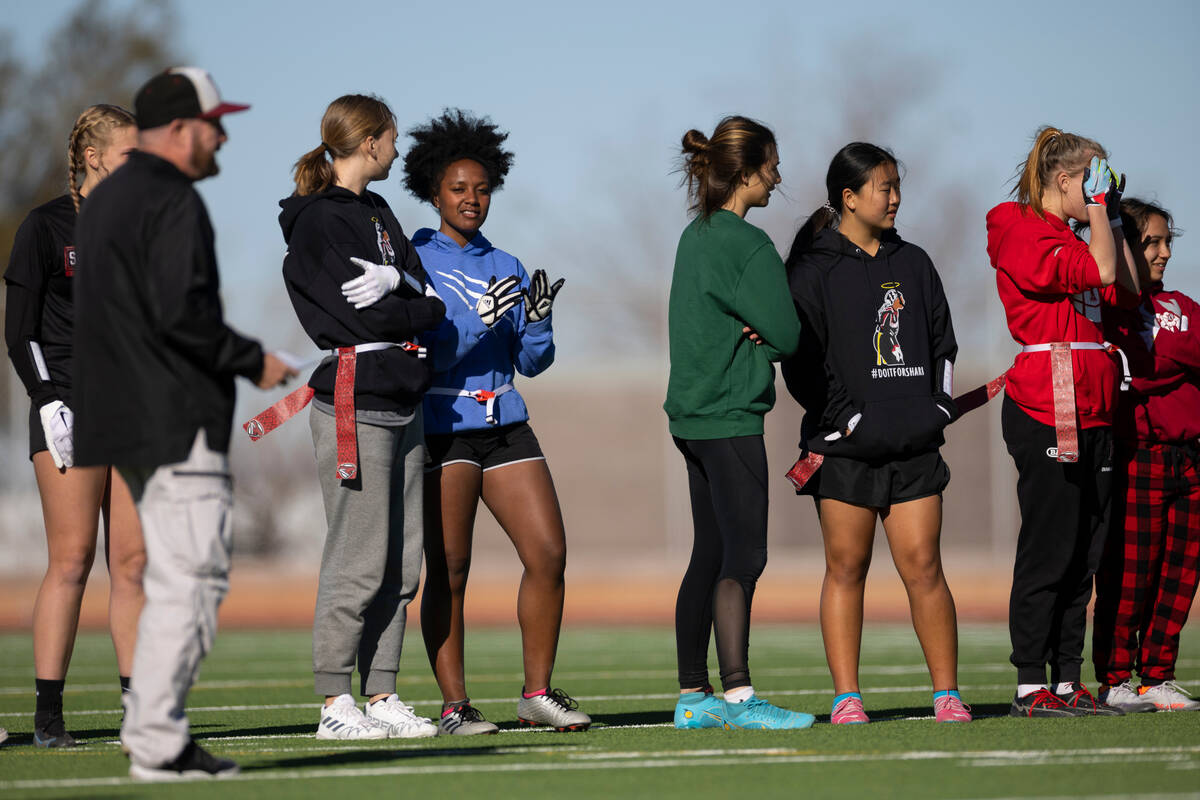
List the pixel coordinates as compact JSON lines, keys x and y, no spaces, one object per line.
{"x":727,"y":276}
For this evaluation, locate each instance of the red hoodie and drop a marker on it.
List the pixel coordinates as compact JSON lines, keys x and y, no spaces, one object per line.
{"x":1051,"y":290}
{"x":1163,"y":348}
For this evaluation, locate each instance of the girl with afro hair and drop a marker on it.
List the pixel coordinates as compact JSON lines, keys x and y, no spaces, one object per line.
{"x":480,"y":444}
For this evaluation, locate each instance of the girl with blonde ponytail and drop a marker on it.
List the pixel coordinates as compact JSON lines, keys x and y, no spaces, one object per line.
{"x":358,"y":288}
{"x":1058,"y":407}
{"x":38,"y":329}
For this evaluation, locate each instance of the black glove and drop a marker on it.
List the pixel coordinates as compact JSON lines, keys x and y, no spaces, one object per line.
{"x":499,"y":299}
{"x":539,"y":299}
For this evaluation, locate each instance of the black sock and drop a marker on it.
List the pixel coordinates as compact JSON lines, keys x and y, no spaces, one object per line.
{"x":49,"y":702}
{"x":124,"y":679}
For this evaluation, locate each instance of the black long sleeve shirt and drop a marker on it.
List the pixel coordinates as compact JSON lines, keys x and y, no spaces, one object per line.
{"x":39,"y":307}
{"x":154,"y":359}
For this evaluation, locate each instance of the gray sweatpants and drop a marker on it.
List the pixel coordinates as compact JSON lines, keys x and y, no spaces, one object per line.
{"x":372,"y":558}
{"x":187,"y":523}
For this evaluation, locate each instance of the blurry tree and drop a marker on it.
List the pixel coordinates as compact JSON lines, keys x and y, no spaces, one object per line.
{"x":98,"y":54}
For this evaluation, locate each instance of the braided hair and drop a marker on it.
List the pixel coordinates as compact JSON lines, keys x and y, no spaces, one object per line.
{"x":455,"y":135}
{"x":93,"y":128}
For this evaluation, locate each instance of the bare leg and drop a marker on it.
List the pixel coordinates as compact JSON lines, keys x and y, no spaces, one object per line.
{"x":451,"y":499}
{"x":522,"y":498}
{"x":913,"y":531}
{"x":71,"y":509}
{"x":848,"y":531}
{"x":125,"y":554}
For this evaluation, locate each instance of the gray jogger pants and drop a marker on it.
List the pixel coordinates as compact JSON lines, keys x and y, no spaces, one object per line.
{"x":372,"y":558}
{"x":187,"y":523}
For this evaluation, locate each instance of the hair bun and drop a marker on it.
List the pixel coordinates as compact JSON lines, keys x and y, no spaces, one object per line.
{"x":695,"y":142}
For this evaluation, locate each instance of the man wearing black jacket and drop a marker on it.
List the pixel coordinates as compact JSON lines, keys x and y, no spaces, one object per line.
{"x":154,"y":371}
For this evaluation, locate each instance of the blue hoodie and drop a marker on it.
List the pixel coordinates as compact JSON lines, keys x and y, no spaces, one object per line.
{"x":464,"y":353}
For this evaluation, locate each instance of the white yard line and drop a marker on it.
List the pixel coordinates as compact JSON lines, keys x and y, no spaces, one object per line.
{"x":651,"y":760}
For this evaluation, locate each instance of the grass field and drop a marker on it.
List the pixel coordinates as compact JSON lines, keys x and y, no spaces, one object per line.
{"x":254,"y":703}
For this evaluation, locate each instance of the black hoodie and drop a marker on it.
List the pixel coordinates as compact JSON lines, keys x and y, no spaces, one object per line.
{"x":877,"y":341}
{"x":323,"y":231}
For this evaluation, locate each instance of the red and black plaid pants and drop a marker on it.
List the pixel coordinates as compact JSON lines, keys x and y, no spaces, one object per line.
{"x":1151,"y":563}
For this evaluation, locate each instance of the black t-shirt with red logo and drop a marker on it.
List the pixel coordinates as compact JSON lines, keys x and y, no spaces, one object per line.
{"x":39,"y":307}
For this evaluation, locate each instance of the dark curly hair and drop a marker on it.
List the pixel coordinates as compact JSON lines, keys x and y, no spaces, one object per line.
{"x":452,"y":136}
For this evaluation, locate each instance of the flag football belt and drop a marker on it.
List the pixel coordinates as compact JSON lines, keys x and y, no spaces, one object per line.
{"x":1062,"y":375}
{"x":488,"y":398}
{"x":343,"y":404}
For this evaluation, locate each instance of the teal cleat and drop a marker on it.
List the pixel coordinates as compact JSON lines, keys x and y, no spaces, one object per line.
{"x":697,"y":710}
{"x":761,"y":715}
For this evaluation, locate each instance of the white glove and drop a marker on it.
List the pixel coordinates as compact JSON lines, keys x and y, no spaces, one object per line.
{"x":58,"y":424}
{"x":376,"y":281}
{"x":499,"y":299}
{"x":431,"y":292}
{"x":540,"y":298}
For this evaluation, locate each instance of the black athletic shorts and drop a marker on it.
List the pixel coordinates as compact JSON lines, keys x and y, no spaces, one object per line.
{"x":486,"y":448}
{"x":882,"y":485}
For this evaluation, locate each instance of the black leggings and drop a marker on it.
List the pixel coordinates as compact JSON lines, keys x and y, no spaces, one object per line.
{"x":727,"y":479}
{"x":1064,"y":521}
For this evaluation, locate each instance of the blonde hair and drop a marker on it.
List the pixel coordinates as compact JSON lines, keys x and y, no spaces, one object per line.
{"x":93,"y":128}
{"x":1053,"y":151}
{"x":347,"y":122}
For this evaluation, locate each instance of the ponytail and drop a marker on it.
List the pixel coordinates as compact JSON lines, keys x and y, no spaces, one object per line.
{"x":313,"y":172}
{"x":347,"y":122}
{"x":93,"y":128}
{"x":1053,"y":151}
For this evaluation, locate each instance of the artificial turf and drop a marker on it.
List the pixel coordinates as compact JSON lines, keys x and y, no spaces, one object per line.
{"x":254,"y":703}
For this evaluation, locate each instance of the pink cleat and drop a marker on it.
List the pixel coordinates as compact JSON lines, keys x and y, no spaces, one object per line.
{"x":849,"y":712}
{"x":949,"y":708}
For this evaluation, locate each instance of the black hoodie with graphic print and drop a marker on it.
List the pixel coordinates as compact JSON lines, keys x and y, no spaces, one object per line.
{"x":323,"y":231}
{"x":877,"y":349}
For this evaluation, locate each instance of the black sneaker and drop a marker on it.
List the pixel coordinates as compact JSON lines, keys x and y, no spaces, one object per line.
{"x":1042,"y":703}
{"x":1082,"y":704}
{"x":193,"y":762}
{"x":53,"y":734}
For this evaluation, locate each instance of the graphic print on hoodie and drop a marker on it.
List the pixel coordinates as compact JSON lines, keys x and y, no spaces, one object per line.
{"x":876,"y":341}
{"x":887,"y":328}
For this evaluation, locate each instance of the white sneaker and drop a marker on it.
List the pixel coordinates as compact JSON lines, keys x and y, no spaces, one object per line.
{"x":1169,"y":696}
{"x":341,"y":719}
{"x":3,"y":735}
{"x":555,"y":708}
{"x":399,"y":720}
{"x":1125,"y":697}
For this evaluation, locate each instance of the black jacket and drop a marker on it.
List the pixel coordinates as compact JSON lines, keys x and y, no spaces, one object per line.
{"x":877,"y":340}
{"x":323,"y":231}
{"x":154,"y":360}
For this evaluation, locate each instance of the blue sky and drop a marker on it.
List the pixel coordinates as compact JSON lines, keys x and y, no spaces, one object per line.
{"x":596,"y":98}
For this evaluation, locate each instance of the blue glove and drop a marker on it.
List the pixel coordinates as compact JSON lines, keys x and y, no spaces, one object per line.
{"x":1096,"y":179}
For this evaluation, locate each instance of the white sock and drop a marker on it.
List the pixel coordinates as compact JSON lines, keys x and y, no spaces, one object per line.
{"x":739,"y":695}
{"x":1064,"y":688}
{"x":1024,"y":689}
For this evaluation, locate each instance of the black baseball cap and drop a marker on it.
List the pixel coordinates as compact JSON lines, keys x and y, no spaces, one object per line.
{"x":180,"y":93}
